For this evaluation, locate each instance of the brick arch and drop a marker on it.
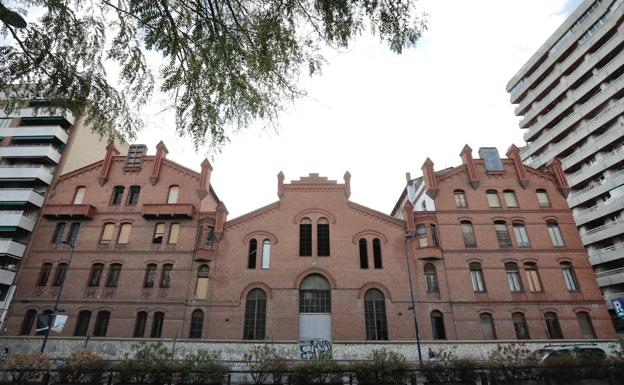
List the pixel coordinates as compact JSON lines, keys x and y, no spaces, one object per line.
{"x":126,"y":220}
{"x":256,"y":285}
{"x":470,"y":219}
{"x":580,"y":309}
{"x":529,"y":260}
{"x":315,"y":270}
{"x":109,"y":220}
{"x":550,"y":218}
{"x":517,"y":219}
{"x":374,"y":285}
{"x":103,"y":308}
{"x":550,"y":310}
{"x":518,"y":310}
{"x":498,"y":218}
{"x":564,"y":259}
{"x":375,"y":234}
{"x":261,"y":235}
{"x":489,"y":311}
{"x":102,"y":261}
{"x":307,"y":212}
{"x":474,"y":259}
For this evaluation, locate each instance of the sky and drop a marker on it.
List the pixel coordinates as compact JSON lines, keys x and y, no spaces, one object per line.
{"x":379,"y":115}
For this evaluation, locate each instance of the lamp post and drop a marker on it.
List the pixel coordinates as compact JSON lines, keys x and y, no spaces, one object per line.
{"x":409,"y":237}
{"x":58,"y":295}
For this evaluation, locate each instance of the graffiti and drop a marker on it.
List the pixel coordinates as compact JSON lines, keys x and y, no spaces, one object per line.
{"x":311,"y":349}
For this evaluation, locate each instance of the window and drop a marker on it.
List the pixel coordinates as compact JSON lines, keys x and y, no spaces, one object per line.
{"x":133,"y":195}
{"x":139,"y":324}
{"x":174,"y":232}
{"x":363,"y":253}
{"x":502,"y":234}
{"x":468,"y":232}
{"x":197,"y":324}
{"x":437,"y":325}
{"x":431,"y":279}
{"x":159,"y":233}
{"x":201,"y":288}
{"x":255,"y":315}
{"x":107,"y":233}
{"x":569,"y":277}
{"x":28,"y":322}
{"x":487,"y":326}
{"x":460,"y":199}
{"x":150,"y":275}
{"x":552,"y":326}
{"x":157,"y":324}
{"x":315,"y":295}
{"x":124,"y":233}
{"x":520,"y":326}
{"x":377,"y":253}
{"x":114,"y":271}
{"x":251,"y":255}
{"x":135,"y":155}
{"x":510,"y":199}
{"x":57,"y":237}
{"x":82,"y":323}
{"x":520,"y":232}
{"x":101,"y":323}
{"x":117,"y":198}
{"x":305,"y":238}
{"x":165,"y":277}
{"x":492,"y":198}
{"x":80,"y":192}
{"x":587,"y":329}
{"x":542,"y":198}
{"x":513,"y":277}
{"x":44,"y":319}
{"x":73,"y":233}
{"x":210,"y":237}
{"x":97,"y":269}
{"x":44,"y":274}
{"x":59,"y":274}
{"x":421,"y":235}
{"x":322,"y":234}
{"x":172,"y":197}
{"x":375,"y":316}
{"x":532,"y":277}
{"x":434,"y":236}
{"x":476,"y":275}
{"x":555,"y":234}
{"x":266,"y":254}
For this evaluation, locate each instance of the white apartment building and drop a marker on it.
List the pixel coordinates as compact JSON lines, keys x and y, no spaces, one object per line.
{"x":570,"y":95}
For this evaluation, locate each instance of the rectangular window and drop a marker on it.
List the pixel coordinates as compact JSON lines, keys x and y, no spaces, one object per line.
{"x":73,"y":233}
{"x":107,"y":233}
{"x":58,"y":233}
{"x":522,"y":237}
{"x":305,"y":239}
{"x":513,"y":278}
{"x":502,"y":235}
{"x":533,"y":279}
{"x":421,"y":235}
{"x":114,"y":272}
{"x":555,"y":235}
{"x":266,"y":254}
{"x":124,"y":233}
{"x":542,"y":198}
{"x":510,"y":199}
{"x":118,"y":192}
{"x":165,"y":278}
{"x":322,"y":233}
{"x":174,"y":232}
{"x":468,"y":233}
{"x":569,"y":278}
{"x":460,"y":199}
{"x":133,"y":195}
{"x":492,"y":198}
{"x":96,"y":275}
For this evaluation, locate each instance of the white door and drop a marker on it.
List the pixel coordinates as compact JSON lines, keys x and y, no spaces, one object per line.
{"x":314,"y":335}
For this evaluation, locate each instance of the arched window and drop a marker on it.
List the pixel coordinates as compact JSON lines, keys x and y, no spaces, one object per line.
{"x":542,"y":198}
{"x":197,"y":324}
{"x":117,"y":197}
{"x":305,"y":237}
{"x":552,"y":326}
{"x":587,"y":329}
{"x":513,"y":277}
{"x":476,"y":276}
{"x":487,"y":326}
{"x":555,"y":234}
{"x":150,"y":275}
{"x":421,"y":235}
{"x":82,"y":323}
{"x":266,"y":254}
{"x":532,"y":276}
{"x":166,"y":275}
{"x":172,"y":197}
{"x":79,"y":195}
{"x":107,"y":233}
{"x":174,"y":233}
{"x":157,"y":324}
{"x":72,"y":235}
{"x":133,"y":195}
{"x":468,"y":233}
{"x":520,"y":326}
{"x":124,"y":233}
{"x":510,"y":198}
{"x":377,"y":253}
{"x":139,"y":325}
{"x":101,"y":323}
{"x":255,"y":315}
{"x":201,"y":287}
{"x":460,"y":199}
{"x":97,"y":269}
{"x":492,"y":198}
{"x":363,"y":253}
{"x":46,"y":318}
{"x":431,"y":278}
{"x":322,"y":235}
{"x":437,"y":325}
{"x":520,"y":232}
{"x":375,"y":315}
{"x":57,"y":237}
{"x":114,"y":272}
{"x":502,"y":234}
{"x":28,"y":322}
{"x":159,"y":233}
{"x":59,"y":274}
{"x":314,"y":295}
{"x":252,"y":254}
{"x":569,"y":277}
{"x":44,"y":274}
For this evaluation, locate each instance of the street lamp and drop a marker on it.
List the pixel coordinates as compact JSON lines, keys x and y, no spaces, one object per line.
{"x":408,"y":237}
{"x":58,"y":295}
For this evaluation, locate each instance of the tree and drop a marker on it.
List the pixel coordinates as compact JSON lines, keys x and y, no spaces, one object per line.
{"x":225,"y":62}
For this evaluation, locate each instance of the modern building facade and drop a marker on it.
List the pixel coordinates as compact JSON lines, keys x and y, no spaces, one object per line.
{"x":35,"y":148}
{"x":570,"y":97}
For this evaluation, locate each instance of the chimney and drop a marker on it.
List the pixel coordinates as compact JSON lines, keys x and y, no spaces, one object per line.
{"x":111,"y":151}
{"x":466,"y":157}
{"x":431,"y":183}
{"x":514,"y":154}
{"x":280,"y":185}
{"x":161,"y":154}
{"x":347,"y":180}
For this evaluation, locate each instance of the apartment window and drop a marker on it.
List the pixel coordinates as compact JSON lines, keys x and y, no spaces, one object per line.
{"x":150,"y":275}
{"x":266,"y":254}
{"x":542,"y":198}
{"x":460,"y":199}
{"x":133,"y":195}
{"x":255,"y":315}
{"x":117,"y":198}
{"x":305,"y":237}
{"x":44,"y":274}
{"x":520,"y":326}
{"x":520,"y":232}
{"x":101,"y":323}
{"x":172,"y":197}
{"x":139,"y":325}
{"x":552,"y":326}
{"x":487,"y":326}
{"x":513,"y":277}
{"x":476,"y":276}
{"x":165,"y":277}
{"x":201,"y":287}
{"x":79,"y":195}
{"x":569,"y":277}
{"x":532,"y":277}
{"x":73,"y":233}
{"x":107,"y":233}
{"x":377,"y":253}
{"x":57,"y":237}
{"x":587,"y":329}
{"x":437,"y":325}
{"x":375,"y":316}
{"x":555,"y":234}
{"x":197,"y":324}
{"x":421,"y":235}
{"x":114,"y":272}
{"x":492,"y":198}
{"x":82,"y":323}
{"x":510,"y":199}
{"x":468,"y":234}
{"x":502,"y":234}
{"x":210,"y":237}
{"x":363,"y":253}
{"x":157,"y":324}
{"x":97,"y":269}
{"x":252,"y":254}
{"x":59,"y":274}
{"x":159,"y":233}
{"x":431,"y":278}
{"x":322,"y":234}
{"x":124,"y":233}
{"x":315,"y":295}
{"x":28,"y":322}
{"x":174,"y":233}
{"x":434,"y":236}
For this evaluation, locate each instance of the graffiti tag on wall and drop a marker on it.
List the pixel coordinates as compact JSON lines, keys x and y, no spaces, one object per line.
{"x":311,"y":349}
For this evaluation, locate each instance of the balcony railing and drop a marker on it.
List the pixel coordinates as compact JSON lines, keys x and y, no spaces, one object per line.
{"x":20,"y":196}
{"x":11,"y":248}
{"x":603,"y":227}
{"x":68,"y":211}
{"x":25,"y":172}
{"x":24,"y":133}
{"x":13,"y":219}
{"x":178,"y":210}
{"x":578,"y":193}
{"x":610,"y":272}
{"x":595,"y":253}
{"x":31,"y":151}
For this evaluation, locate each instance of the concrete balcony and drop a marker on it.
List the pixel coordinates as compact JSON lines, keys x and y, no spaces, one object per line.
{"x":610,"y":277}
{"x":603,"y":232}
{"x":45,"y":152}
{"x":598,"y":211}
{"x":11,"y":220}
{"x":11,"y":248}
{"x":163,"y":211}
{"x":68,"y":211}
{"x":607,"y":254}
{"x":31,"y":112}
{"x":25,"y":173}
{"x":35,"y":133}
{"x":599,"y":165}
{"x":6,"y":276}
{"x":613,"y":133}
{"x":612,"y":181}
{"x":20,"y":197}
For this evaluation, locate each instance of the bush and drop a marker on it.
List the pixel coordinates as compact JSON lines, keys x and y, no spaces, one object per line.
{"x":382,"y":367}
{"x":584,"y":366}
{"x":22,"y":368}
{"x":82,"y":367}
{"x":264,"y":364}
{"x":514,"y":363}
{"x":449,"y":368}
{"x":202,"y":368}
{"x":320,"y":371}
{"x":149,"y":364}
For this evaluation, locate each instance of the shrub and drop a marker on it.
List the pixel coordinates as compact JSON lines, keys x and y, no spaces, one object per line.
{"x":27,"y":367}
{"x":202,"y":368}
{"x":514,"y":363}
{"x":265,"y":363}
{"x":449,"y":368}
{"x":320,"y":371}
{"x":566,"y":367}
{"x":149,"y":364}
{"x":82,"y":367}
{"x":382,"y":367}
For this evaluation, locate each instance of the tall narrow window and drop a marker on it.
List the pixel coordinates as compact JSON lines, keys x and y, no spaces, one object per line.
{"x":375,"y":316}
{"x":252,"y":254}
{"x":165,"y":277}
{"x":520,"y":232}
{"x":377,"y":253}
{"x":28,"y":322}
{"x":305,"y":237}
{"x":421,"y":235}
{"x":322,"y":234}
{"x":73,"y":233}
{"x":555,"y":234}
{"x":363,"y":253}
{"x":492,"y":198}
{"x":79,"y":196}
{"x":101,"y":323}
{"x":266,"y":254}
{"x":133,"y":195}
{"x":57,"y":237}
{"x":513,"y":277}
{"x":510,"y":199}
{"x":520,"y":326}
{"x":552,"y":326}
{"x":107,"y":233}
{"x":502,"y":234}
{"x":569,"y":277}
{"x":172,"y":197}
{"x":114,"y":272}
{"x":139,"y":325}
{"x":59,"y":274}
{"x":476,"y":276}
{"x":197,"y":324}
{"x":542,"y":198}
{"x":434,"y":236}
{"x":460,"y":199}
{"x":82,"y":323}
{"x":150,"y":275}
{"x":201,"y":288}
{"x":159,"y":233}
{"x":487,"y":326}
{"x":44,"y":274}
{"x":117,"y":198}
{"x":157,"y":324}
{"x":255,"y":315}
{"x":437,"y":325}
{"x":210,"y":238}
{"x":532,"y":276}
{"x":587,"y":329}
{"x":431,"y":278}
{"x":174,"y":233}
{"x":468,"y":233}
{"x":97,"y":269}
{"x":44,"y":318}
{"x":124,"y":233}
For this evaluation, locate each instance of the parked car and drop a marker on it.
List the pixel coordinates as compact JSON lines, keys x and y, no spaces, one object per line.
{"x":550,"y":352}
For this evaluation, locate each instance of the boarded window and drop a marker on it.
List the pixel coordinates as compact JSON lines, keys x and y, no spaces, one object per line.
{"x":542,"y":198}
{"x":305,"y":237}
{"x":532,"y":277}
{"x":174,"y":232}
{"x":510,"y":199}
{"x":322,"y":234}
{"x":375,"y":315}
{"x":124,"y":233}
{"x":201,"y":288}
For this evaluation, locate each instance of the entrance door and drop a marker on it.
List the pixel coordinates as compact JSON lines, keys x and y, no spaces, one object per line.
{"x":314,"y":317}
